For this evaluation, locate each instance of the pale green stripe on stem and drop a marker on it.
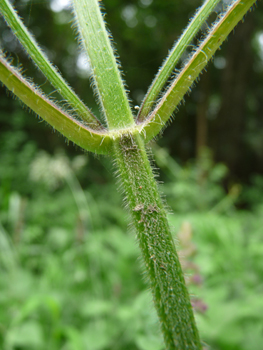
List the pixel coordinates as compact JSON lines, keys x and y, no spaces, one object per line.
{"x":181,"y":84}
{"x":42,"y":62}
{"x":176,"y":53}
{"x":163,"y":268}
{"x":107,"y":79}
{"x":71,"y":128}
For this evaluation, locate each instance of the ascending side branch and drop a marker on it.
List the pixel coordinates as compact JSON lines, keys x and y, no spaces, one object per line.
{"x":91,"y":140}
{"x":163,"y":268}
{"x":197,"y":62}
{"x":174,"y":56}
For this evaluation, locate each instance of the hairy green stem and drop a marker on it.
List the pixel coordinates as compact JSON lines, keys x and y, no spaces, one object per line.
{"x":91,"y":140}
{"x":106,"y":74}
{"x":163,"y":268}
{"x":42,"y":62}
{"x":174,"y":56}
{"x":196,"y":63}
{"x":125,"y":140}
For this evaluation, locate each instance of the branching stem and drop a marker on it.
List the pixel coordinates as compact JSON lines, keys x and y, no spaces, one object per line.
{"x":125,"y":140}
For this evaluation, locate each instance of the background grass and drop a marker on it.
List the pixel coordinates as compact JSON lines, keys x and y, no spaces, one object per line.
{"x":74,"y":281}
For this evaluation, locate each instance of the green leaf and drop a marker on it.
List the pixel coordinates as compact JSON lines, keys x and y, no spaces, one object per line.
{"x":28,"y":335}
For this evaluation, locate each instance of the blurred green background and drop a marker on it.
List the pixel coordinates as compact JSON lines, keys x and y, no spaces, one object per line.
{"x":70,"y":271}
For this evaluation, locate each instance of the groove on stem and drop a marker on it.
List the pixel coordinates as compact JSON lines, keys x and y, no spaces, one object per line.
{"x":163,"y":268}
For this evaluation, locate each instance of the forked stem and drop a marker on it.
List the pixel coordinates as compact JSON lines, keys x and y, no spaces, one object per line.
{"x":163,"y":268}
{"x":123,"y":139}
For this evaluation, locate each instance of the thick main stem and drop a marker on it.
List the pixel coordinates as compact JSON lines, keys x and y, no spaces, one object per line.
{"x":165,"y":275}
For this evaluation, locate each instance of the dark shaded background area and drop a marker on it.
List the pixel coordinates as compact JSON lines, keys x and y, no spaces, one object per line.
{"x":224,"y":111}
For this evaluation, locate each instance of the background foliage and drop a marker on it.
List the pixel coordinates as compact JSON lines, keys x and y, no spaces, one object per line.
{"x":70,"y":273}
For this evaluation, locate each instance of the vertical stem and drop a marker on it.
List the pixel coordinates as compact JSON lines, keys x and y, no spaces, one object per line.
{"x":107,"y":79}
{"x":164,"y":272}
